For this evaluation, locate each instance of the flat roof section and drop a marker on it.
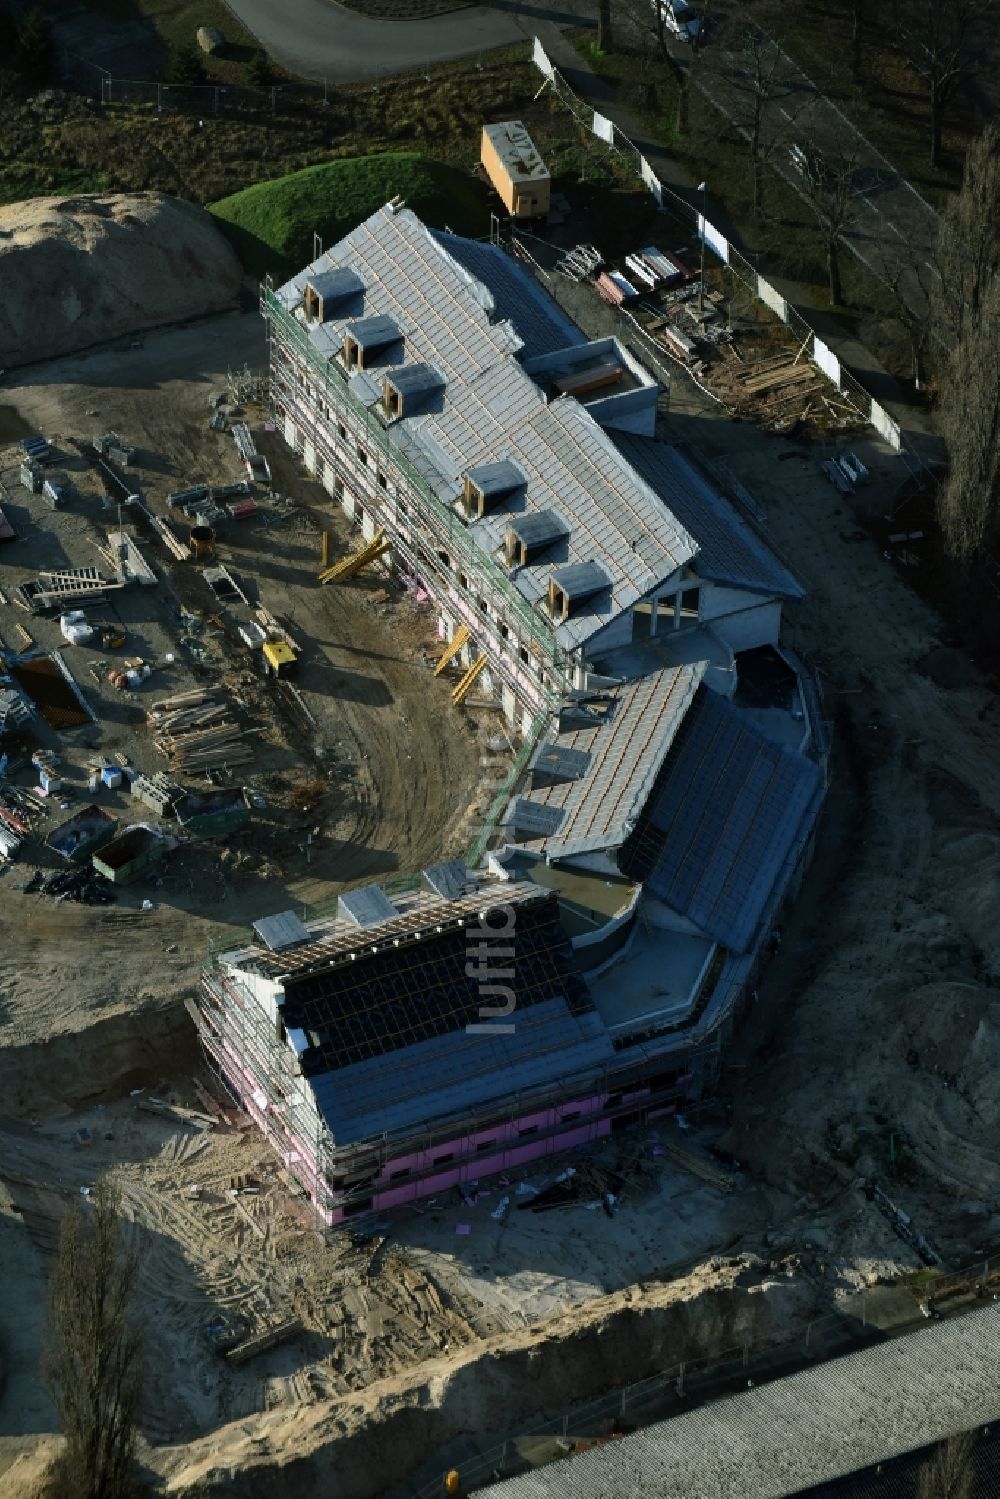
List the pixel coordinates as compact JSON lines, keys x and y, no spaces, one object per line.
{"x":653,"y":981}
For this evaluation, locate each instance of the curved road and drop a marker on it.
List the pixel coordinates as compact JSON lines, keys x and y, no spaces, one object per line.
{"x":318,"y":39}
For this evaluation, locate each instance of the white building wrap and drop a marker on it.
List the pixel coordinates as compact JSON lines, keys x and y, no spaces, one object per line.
{"x":651,"y":180}
{"x":827,"y":360}
{"x":603,"y":128}
{"x":713,"y":238}
{"x":541,"y":61}
{"x":886,"y":427}
{"x":773,"y":298}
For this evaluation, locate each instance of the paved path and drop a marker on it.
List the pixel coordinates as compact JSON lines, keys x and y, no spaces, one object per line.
{"x":319,"y":39}
{"x":892,"y":229}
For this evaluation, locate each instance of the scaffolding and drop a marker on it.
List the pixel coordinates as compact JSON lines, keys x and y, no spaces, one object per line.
{"x":431,"y":523}
{"x":260,"y":1068}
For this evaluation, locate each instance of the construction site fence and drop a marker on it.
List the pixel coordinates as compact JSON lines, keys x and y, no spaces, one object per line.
{"x":600,"y":128}
{"x":204,"y":99}
{"x":656,"y":1398}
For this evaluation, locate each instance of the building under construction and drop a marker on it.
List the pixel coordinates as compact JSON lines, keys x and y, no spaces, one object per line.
{"x":671,"y":770}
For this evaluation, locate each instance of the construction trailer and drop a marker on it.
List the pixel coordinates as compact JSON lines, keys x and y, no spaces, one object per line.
{"x":516,"y":170}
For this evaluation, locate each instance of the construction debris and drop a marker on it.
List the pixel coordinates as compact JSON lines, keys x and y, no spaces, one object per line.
{"x":81,"y":885}
{"x":262,"y":1341}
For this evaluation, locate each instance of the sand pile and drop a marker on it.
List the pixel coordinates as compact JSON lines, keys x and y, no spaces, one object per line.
{"x":361,"y":1446}
{"x":83,"y":270}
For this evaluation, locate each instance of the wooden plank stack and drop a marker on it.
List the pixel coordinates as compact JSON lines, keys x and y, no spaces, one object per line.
{"x":196,"y":734}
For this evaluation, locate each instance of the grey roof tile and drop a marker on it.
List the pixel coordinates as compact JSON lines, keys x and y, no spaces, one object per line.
{"x":729,"y":549}
{"x":493,"y":412}
{"x":626,"y":747}
{"x":725,"y":815}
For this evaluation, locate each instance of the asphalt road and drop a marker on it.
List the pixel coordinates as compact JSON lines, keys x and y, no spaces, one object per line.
{"x":318,"y":39}
{"x":891,"y":228}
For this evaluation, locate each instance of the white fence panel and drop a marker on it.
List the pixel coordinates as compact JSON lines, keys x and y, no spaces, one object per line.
{"x":541,"y":61}
{"x":886,"y":427}
{"x":713,"y":238}
{"x":773,"y":298}
{"x":603,"y":128}
{"x":827,"y":360}
{"x":651,"y":180}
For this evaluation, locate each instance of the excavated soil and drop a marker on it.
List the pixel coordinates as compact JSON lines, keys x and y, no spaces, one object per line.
{"x":80,"y":271}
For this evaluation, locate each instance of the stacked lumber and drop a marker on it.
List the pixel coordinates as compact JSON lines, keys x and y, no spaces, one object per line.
{"x":699,"y":1165}
{"x":196,"y":734}
{"x":204,"y":749}
{"x":768,"y":390}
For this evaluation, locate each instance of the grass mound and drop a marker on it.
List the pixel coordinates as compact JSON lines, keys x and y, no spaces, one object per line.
{"x":271,"y":224}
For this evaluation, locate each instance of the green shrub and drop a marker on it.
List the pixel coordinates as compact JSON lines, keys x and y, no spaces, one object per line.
{"x":258,"y":71}
{"x":185,"y":68}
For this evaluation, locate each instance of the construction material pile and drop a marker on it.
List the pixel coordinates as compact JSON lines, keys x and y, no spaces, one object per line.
{"x":197,"y":733}
{"x":778,"y":390}
{"x":18,"y":816}
{"x":81,"y":885}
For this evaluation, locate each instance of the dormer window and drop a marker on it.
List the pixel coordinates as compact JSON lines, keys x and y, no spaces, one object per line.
{"x":528,"y":536}
{"x":408,"y":389}
{"x":367,"y":339}
{"x":329,"y":291}
{"x":489,"y":485}
{"x":572,"y":586}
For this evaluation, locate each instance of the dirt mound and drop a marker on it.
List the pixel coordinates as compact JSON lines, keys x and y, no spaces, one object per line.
{"x":79,"y":271}
{"x":30,"y":1474}
{"x":362,"y":1446}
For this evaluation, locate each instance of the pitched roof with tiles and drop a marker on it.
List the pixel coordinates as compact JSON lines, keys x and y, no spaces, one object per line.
{"x":472,"y":326}
{"x":597,"y":806}
{"x":729,"y":549}
{"x":729,"y":810}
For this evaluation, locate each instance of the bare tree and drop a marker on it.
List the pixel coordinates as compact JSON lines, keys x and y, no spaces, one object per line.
{"x":690,"y":70}
{"x":831,"y":188}
{"x":93,"y":1361}
{"x":948,"y":1473}
{"x":856,"y":9}
{"x":605,"y":36}
{"x":943,"y":42}
{"x":968,"y":304}
{"x":754,"y":89}
{"x":969,"y":241}
{"x":911,"y":286}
